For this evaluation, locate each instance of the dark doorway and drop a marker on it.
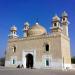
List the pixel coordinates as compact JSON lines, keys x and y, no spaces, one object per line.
{"x":47,"y":47}
{"x":29,"y":61}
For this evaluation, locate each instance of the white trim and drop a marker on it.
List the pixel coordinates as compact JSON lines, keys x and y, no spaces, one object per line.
{"x":11,"y":60}
{"x":24,"y":53}
{"x":67,"y":66}
{"x":8,"y":64}
{"x":44,"y":58}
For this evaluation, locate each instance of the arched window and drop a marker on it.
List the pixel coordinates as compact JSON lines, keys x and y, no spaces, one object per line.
{"x":14,"y":48}
{"x":63,"y":19}
{"x":14,"y":32}
{"x":47,"y":47}
{"x":55,"y":24}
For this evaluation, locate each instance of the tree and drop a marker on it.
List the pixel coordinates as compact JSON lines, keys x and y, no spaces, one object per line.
{"x":2,"y":61}
{"x":73,"y":60}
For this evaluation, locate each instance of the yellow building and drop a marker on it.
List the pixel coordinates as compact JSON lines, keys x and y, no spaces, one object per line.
{"x":39,"y":49}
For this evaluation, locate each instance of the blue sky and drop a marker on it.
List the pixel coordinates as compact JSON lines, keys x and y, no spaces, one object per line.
{"x":18,"y":11}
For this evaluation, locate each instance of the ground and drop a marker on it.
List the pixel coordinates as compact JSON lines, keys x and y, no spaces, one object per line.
{"x":14,"y":71}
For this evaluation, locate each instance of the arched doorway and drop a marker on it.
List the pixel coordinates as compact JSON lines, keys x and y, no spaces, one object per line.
{"x":29,"y":61}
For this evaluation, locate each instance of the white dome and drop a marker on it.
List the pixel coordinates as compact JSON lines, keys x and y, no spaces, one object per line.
{"x":26,"y":23}
{"x":56,"y":18}
{"x":13,"y":28}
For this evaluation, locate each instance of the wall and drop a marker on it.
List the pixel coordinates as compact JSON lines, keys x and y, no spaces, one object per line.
{"x":36,"y":43}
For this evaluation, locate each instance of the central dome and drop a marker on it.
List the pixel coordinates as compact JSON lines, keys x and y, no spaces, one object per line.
{"x":37,"y":29}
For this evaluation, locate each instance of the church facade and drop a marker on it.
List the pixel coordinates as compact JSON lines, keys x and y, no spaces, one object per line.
{"x":39,"y":49}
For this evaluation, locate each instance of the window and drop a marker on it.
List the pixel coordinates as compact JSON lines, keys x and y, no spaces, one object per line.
{"x":55,"y":24}
{"x":47,"y":47}
{"x":13,"y":61}
{"x":14,"y":49}
{"x":14,"y":32}
{"x":47,"y":62}
{"x":63,"y":19}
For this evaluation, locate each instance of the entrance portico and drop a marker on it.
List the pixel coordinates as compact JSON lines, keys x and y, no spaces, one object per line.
{"x":28,"y":59}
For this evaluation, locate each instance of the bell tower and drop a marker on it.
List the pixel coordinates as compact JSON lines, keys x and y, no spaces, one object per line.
{"x":65,"y":23}
{"x":26,"y":28}
{"x":56,"y":24}
{"x":13,"y":31}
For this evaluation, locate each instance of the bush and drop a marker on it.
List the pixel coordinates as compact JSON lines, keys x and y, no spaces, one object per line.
{"x":73,"y":60}
{"x":2,"y":61}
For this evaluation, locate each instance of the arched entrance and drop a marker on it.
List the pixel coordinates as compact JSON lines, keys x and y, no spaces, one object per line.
{"x":29,"y":61}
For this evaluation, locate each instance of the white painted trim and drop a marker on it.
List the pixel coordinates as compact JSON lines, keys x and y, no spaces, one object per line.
{"x":24,"y":53}
{"x":44,"y":57}
{"x":8,"y":63}
{"x":11,"y":60}
{"x":67,"y":66}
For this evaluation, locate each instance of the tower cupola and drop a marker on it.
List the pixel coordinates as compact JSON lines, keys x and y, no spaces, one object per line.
{"x":13,"y":28}
{"x":56,"y":18}
{"x":26,"y":28}
{"x":13,"y":31}
{"x":65,"y":23}
{"x":56,"y":21}
{"x":64,"y":17}
{"x":55,"y":24}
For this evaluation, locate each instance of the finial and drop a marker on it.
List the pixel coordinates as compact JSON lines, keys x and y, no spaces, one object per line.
{"x":56,"y":15}
{"x":56,"y":18}
{"x":64,"y":14}
{"x":37,"y":19}
{"x":26,"y":23}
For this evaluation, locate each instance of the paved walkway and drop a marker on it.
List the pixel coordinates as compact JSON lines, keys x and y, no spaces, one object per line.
{"x":14,"y":71}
